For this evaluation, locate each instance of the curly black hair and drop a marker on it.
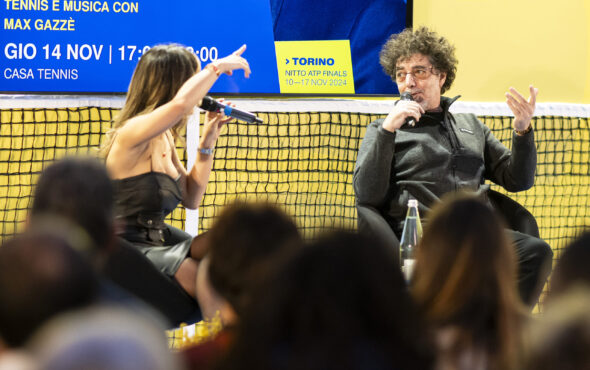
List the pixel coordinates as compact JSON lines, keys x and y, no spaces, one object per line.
{"x":420,"y":41}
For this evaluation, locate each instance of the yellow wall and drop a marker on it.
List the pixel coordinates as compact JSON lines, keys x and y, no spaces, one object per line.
{"x":503,"y":43}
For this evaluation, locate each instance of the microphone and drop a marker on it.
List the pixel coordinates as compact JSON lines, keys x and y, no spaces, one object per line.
{"x":407,"y":96}
{"x":212,"y":105}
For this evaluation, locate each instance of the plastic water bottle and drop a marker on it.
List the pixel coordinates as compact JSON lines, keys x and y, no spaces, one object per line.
{"x":411,"y":234}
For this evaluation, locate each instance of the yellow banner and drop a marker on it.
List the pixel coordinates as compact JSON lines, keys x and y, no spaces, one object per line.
{"x":315,"y":67}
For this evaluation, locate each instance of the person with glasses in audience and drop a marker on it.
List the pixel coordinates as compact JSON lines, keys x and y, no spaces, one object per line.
{"x":422,"y":151}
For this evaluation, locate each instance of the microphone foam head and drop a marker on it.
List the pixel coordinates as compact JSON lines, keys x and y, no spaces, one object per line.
{"x":209,"y":104}
{"x":406,"y":96}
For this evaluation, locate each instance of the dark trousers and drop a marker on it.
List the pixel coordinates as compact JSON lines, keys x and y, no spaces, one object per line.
{"x":534,"y":258}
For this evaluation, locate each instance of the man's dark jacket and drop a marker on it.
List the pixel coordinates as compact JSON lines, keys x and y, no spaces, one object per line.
{"x":442,"y":153}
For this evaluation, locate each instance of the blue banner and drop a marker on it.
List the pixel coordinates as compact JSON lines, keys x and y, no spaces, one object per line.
{"x":68,"y":46}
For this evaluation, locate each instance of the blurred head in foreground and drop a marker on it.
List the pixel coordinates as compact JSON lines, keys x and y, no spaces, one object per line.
{"x":572,"y":267}
{"x":76,"y":195}
{"x":339,"y":303}
{"x":465,"y":283}
{"x":560,"y":338}
{"x":102,"y":338}
{"x":246,"y":243}
{"x":41,"y":275}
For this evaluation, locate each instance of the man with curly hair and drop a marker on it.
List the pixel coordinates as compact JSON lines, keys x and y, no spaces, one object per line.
{"x":440,"y":152}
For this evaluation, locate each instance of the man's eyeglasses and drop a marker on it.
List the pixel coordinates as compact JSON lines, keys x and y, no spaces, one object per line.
{"x":419,"y":73}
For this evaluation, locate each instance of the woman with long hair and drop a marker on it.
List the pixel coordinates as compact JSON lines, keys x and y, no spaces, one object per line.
{"x":465,"y":287}
{"x":140,"y":154}
{"x":338,"y":303}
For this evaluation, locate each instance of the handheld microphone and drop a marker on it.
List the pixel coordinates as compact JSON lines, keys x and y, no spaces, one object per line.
{"x":212,"y":105}
{"x":407,"y":96}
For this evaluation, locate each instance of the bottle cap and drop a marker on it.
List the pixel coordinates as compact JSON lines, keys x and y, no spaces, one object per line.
{"x":412,"y":203}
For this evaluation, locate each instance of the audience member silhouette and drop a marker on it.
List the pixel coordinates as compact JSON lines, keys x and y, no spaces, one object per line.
{"x":560,"y":338}
{"x":247,"y":243}
{"x":102,"y":338}
{"x":243,"y":242}
{"x":340,"y":303}
{"x":465,"y":286}
{"x":572,"y":267}
{"x":77,"y":190}
{"x":41,"y":275}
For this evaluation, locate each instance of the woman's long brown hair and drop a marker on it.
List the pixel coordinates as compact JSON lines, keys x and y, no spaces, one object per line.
{"x":465,"y":278}
{"x":160,"y":73}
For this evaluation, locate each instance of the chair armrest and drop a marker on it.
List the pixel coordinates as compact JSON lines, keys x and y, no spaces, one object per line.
{"x":516,"y":216}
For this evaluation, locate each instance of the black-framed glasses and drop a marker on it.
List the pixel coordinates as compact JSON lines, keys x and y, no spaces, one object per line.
{"x":419,"y":73}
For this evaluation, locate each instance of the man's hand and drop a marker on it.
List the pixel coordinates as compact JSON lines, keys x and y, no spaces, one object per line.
{"x":523,"y":110}
{"x":398,"y":114}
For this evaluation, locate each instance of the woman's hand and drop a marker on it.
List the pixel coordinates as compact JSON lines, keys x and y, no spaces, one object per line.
{"x":214,"y":122}
{"x":232,"y":62}
{"x":195,"y":182}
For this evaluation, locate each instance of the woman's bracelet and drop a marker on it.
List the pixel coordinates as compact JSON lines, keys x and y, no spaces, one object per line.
{"x":206,"y":151}
{"x":213,"y":68}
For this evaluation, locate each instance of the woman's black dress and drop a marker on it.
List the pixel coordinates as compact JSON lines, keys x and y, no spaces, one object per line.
{"x":142,"y":202}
